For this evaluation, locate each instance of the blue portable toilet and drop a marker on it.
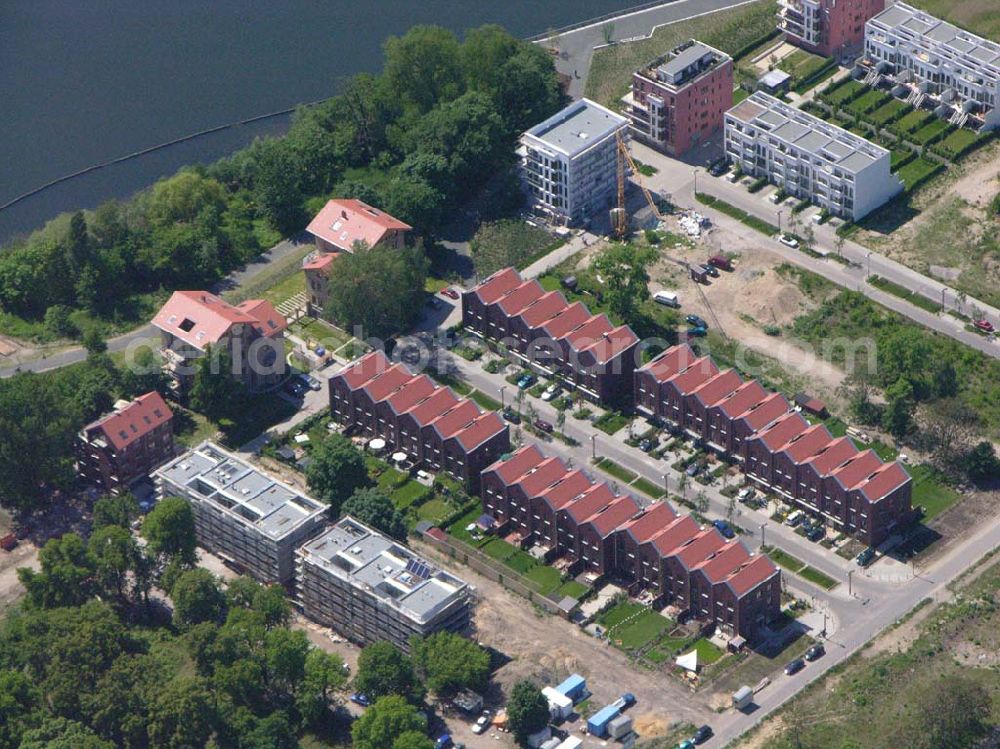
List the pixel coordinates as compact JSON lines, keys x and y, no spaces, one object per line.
{"x":597,"y":724}
{"x":573,"y":687}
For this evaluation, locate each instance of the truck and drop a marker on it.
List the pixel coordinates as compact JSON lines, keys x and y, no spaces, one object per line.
{"x":743,"y":698}
{"x":597,"y":724}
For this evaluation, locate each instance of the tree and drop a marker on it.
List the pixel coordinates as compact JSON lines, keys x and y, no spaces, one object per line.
{"x":58,"y":322}
{"x":386,"y":721}
{"x":115,"y":553}
{"x":858,"y":390}
{"x":324,"y":676}
{"x":336,"y":472}
{"x":383,"y":670}
{"x":448,"y":662}
{"x":169,"y":529}
{"x":981,"y":463}
{"x":423,"y":66}
{"x":373,"y":508}
{"x":623,"y":268}
{"x":285,"y":654}
{"x":197,"y":598}
{"x":62,"y":733}
{"x":380,"y":290}
{"x":897,"y":418}
{"x":19,"y":698}
{"x":944,"y":379}
{"x":182,"y":716}
{"x":276,"y":185}
{"x":527,"y":710}
{"x":267,"y":602}
{"x":412,"y":740}
{"x":115,"y":509}
{"x":214,"y":389}
{"x":67,"y":574}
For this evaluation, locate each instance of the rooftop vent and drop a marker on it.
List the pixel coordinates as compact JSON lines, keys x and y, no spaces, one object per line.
{"x":187,"y":325}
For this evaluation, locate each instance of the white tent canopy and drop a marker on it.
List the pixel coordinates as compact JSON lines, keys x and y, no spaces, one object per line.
{"x":689,"y":661}
{"x":377,"y":444}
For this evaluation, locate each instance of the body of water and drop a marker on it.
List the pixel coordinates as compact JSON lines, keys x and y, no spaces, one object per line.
{"x":85,"y":82}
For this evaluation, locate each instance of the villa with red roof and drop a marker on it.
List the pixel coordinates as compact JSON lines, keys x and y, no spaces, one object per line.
{"x":776,"y":446}
{"x":434,"y":427}
{"x":587,"y":352}
{"x":252,"y":332}
{"x":601,"y":533}
{"x":126,"y":444}
{"x":343,"y":225}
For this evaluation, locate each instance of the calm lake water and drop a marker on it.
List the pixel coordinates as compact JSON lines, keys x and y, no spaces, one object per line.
{"x":84,"y":82}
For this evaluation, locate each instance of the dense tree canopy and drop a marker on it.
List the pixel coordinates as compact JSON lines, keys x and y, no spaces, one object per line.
{"x":448,"y":662}
{"x":169,"y":529}
{"x":527,"y":710}
{"x":386,"y":722}
{"x":336,"y":472}
{"x":384,"y":670}
{"x":373,"y":508}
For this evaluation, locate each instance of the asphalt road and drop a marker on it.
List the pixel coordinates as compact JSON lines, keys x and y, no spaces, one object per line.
{"x":147,"y":336}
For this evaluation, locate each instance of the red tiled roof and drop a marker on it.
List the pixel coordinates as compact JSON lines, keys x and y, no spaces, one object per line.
{"x":496,"y":285}
{"x":671,"y":362}
{"x":700,"y":371}
{"x":411,"y":394}
{"x":724,"y":562}
{"x":448,"y":424}
{"x":750,"y":575}
{"x":132,"y":422}
{"x":321,"y":261}
{"x":588,"y":333}
{"x":566,"y":489}
{"x":884,"y":481}
{"x":653,"y":519}
{"x":565,"y":321}
{"x":268,"y":320}
{"x":485,"y":426}
{"x":387,"y":383}
{"x":543,"y":309}
{"x":607,"y":519}
{"x":782,"y":431}
{"x":589,"y":502}
{"x":516,"y":300}
{"x":440,"y":401}
{"x":343,"y":222}
{"x":747,"y":395}
{"x":718,"y":387}
{"x":675,"y":534}
{"x":808,"y":443}
{"x":857,"y":469}
{"x":763,"y":413}
{"x":833,"y":455}
{"x":525,"y":459}
{"x":612,"y":344}
{"x":201,"y":319}
{"x":698,"y":549}
{"x":537,"y":480}
{"x":358,"y":373}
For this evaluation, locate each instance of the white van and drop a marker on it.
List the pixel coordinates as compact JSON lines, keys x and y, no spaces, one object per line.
{"x":666,"y":298}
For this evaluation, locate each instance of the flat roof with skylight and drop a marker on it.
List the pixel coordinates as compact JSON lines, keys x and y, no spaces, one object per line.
{"x":577,"y":127}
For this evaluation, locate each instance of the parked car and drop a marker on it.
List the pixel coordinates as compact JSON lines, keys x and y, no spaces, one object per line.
{"x":526,"y":381}
{"x":721,"y":262}
{"x":984,"y":325}
{"x":512,"y":416}
{"x":696,"y":321}
{"x":444,"y":742}
{"x":450,"y":293}
{"x":789,"y":241}
{"x":718,"y":168}
{"x":647,"y":445}
{"x":816,"y":651}
{"x":482,"y":723}
{"x":686,"y":744}
{"x":697,"y":332}
{"x":312,"y":382}
{"x":724,"y":528}
{"x":794,"y":667}
{"x":693,"y":469}
{"x":816,"y":533}
{"x":702,"y":735}
{"x":734,"y":177}
{"x":710,"y":269}
{"x":746,"y":494}
{"x":543,"y":425}
{"x":360,"y":699}
{"x":866,"y":557}
{"x":551,"y":391}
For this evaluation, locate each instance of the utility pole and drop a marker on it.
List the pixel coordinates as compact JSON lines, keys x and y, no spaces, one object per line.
{"x":696,"y":180}
{"x":869,"y":264}
{"x":779,"y":223}
{"x":823,"y":633}
{"x":942,"y":299}
{"x":503,"y":405}
{"x":762,"y":527}
{"x":850,"y":573}
{"x":593,"y":446}
{"x":666,"y":484}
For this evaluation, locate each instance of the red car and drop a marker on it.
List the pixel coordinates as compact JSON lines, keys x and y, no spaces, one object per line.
{"x":450,"y":293}
{"x":543,"y":425}
{"x":984,"y":325}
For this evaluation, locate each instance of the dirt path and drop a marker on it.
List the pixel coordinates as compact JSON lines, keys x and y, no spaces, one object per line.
{"x":25,"y":555}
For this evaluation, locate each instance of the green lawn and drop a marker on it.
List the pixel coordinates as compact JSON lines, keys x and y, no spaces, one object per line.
{"x":821,"y":579}
{"x":617,"y":614}
{"x":642,"y":630}
{"x":708,"y":652}
{"x":389,"y":479}
{"x":485,"y":401}
{"x":435,"y":510}
{"x":545,"y":578}
{"x":573,"y":589}
{"x":888,"y":112}
{"x":928,"y":132}
{"x":867,"y":102}
{"x":255,"y":415}
{"x":931,"y":492}
{"x":956,"y":143}
{"x":619,"y":472}
{"x":610,"y":422}
{"x":917,"y":171}
{"x":410,"y":493}
{"x":457,"y":528}
{"x":648,"y":487}
{"x":843,"y":92}
{"x":784,"y":559}
{"x":913,"y":121}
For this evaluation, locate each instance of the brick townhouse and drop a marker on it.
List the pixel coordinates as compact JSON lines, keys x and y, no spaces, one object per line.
{"x":540,"y":501}
{"x":126,"y":444}
{"x":856,"y":492}
{"x":252,"y":332}
{"x":414,"y":415}
{"x":586,"y":351}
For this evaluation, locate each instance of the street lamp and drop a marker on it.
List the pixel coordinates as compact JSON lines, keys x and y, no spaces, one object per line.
{"x":502,"y":404}
{"x":849,"y":574}
{"x":666,"y":484}
{"x":779,"y":223}
{"x":696,"y":180}
{"x":869,"y":258}
{"x":762,"y":527}
{"x":593,"y":446}
{"x":943,"y":289}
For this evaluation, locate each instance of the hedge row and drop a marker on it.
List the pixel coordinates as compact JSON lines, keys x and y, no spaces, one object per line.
{"x":828,"y":68}
{"x":738,"y":213}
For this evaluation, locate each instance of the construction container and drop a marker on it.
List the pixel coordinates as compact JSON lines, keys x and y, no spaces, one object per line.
{"x":597,"y":724}
{"x":560,"y":706}
{"x":742,"y":698}
{"x":573,"y":687}
{"x":619,"y":726}
{"x":571,"y":742}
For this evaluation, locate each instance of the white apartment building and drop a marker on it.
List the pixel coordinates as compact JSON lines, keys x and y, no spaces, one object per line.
{"x":811,"y":159}
{"x":569,"y":162}
{"x":370,"y":588}
{"x":241,"y":513}
{"x":932,"y":64}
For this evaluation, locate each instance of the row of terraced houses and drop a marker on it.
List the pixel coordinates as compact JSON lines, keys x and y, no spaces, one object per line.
{"x":539,"y":501}
{"x":778,"y":449}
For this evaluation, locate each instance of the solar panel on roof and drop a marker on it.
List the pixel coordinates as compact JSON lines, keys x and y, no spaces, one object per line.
{"x":418,"y":568}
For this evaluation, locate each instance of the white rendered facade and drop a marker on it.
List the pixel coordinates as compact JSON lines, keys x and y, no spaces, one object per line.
{"x":933,"y":64}
{"x":569,"y":162}
{"x":811,"y":159}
